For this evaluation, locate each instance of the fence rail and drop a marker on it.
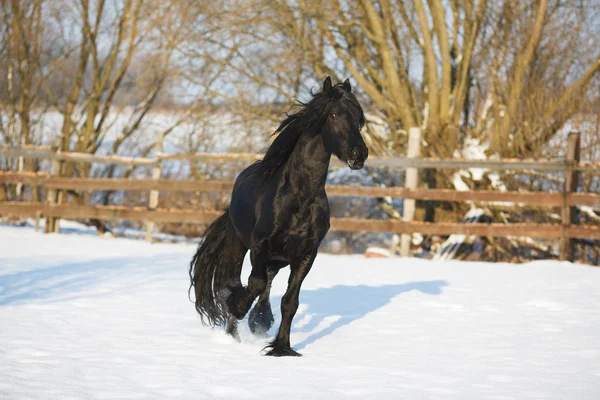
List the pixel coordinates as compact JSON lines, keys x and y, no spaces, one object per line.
{"x":542,"y":199}
{"x":47,"y":152}
{"x":112,"y":213}
{"x":565,"y":200}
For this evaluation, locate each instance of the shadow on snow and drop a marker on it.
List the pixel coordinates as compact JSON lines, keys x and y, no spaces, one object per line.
{"x":70,"y":280}
{"x":326,"y":309}
{"x":347,"y":304}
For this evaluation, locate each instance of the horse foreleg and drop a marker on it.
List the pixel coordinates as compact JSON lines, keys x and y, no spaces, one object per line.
{"x":280,"y":346}
{"x":261,"y":318}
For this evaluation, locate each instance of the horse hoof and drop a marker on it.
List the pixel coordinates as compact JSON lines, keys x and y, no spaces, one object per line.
{"x":260,"y":320}
{"x":282,"y":352}
{"x":259,"y":331}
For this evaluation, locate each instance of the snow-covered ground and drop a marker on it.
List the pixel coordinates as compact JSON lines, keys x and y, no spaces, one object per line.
{"x":83,"y":317}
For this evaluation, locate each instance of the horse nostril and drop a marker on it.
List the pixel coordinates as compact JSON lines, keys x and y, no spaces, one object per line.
{"x":354,"y":153}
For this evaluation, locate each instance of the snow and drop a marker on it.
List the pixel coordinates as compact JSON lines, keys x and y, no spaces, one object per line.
{"x":473,"y":149}
{"x":458,"y":183}
{"x":94,"y":318}
{"x":77,"y":228}
{"x":589,"y":211}
{"x":587,"y":126}
{"x":452,"y":244}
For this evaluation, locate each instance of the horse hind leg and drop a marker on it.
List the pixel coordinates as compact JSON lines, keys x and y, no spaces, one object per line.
{"x":261,"y":317}
{"x":232,"y":327}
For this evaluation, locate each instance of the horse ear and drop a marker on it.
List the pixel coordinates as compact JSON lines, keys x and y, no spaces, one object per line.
{"x":347,"y":86}
{"x":327,"y":84}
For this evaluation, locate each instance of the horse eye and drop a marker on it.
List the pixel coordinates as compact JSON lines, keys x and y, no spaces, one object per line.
{"x":333,"y":116}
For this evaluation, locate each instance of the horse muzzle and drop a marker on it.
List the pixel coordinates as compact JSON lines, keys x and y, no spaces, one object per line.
{"x":357,"y":157}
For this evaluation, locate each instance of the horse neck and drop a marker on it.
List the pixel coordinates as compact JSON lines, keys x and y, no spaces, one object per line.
{"x":308,"y":165}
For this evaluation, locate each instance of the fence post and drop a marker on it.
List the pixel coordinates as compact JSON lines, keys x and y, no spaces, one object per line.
{"x":52,"y":223}
{"x":569,"y":214}
{"x":408,"y":212}
{"x":153,"y":198}
{"x":21,"y":168}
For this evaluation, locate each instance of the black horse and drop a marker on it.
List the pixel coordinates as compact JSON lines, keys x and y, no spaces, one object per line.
{"x":279,"y":210}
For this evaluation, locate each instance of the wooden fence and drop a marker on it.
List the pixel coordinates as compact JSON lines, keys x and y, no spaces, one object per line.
{"x":566,"y":200}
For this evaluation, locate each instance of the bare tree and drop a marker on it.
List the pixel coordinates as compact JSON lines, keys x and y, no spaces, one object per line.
{"x":538,"y":61}
{"x":418,"y":60}
{"x":21,"y":51}
{"x":454,"y":69}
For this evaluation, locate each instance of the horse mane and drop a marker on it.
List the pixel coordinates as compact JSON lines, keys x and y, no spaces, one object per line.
{"x":308,"y":120}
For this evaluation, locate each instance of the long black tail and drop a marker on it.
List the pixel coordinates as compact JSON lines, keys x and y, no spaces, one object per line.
{"x":216,"y":266}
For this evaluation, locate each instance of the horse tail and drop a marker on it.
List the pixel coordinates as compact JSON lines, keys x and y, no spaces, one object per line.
{"x":215,"y":267}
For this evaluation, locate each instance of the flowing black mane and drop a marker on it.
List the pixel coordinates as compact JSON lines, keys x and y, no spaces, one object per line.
{"x":307,"y":120}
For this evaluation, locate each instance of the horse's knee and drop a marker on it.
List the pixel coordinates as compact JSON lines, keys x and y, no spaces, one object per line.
{"x":256,"y":285}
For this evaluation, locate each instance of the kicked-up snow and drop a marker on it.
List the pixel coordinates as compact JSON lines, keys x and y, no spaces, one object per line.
{"x":85,"y":317}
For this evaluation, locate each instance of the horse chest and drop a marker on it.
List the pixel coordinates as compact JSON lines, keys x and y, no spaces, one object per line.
{"x":307,"y":225}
